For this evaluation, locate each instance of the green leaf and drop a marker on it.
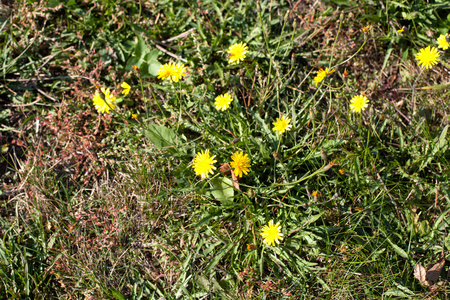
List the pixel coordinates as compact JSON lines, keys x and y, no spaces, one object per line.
{"x":160,"y":136}
{"x":388,"y":54}
{"x":341,"y":2}
{"x":152,"y":56}
{"x":398,"y":4}
{"x":396,"y":293}
{"x":153,"y":68}
{"x":208,"y":218}
{"x":311,"y":219}
{"x":53,"y":3}
{"x":117,"y":295}
{"x":203,"y":282}
{"x":141,"y":58}
{"x":399,"y":250}
{"x":439,"y":144}
{"x":442,"y":137}
{"x":402,"y":291}
{"x":134,"y":61}
{"x":141,"y":48}
{"x":218,"y":257}
{"x":219,"y":72}
{"x":222,"y":189}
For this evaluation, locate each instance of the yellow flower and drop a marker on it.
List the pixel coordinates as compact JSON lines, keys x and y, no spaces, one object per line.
{"x":359,"y":103}
{"x":126,"y":88}
{"x":366,"y":29}
{"x":401,"y":30}
{"x":203,"y":164}
{"x":271,"y":233}
{"x":223,"y":102}
{"x":171,"y":71}
{"x":342,"y":171}
{"x":442,"y":41}
{"x":236,"y":53}
{"x":134,"y":116}
{"x":103,"y":105}
{"x":251,"y":247}
{"x":428,"y":57}
{"x":345,"y":72}
{"x":240,"y":163}
{"x":321,"y":74}
{"x":282,"y":125}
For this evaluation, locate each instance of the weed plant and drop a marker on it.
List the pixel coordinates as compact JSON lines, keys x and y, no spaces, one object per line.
{"x":223,"y":150}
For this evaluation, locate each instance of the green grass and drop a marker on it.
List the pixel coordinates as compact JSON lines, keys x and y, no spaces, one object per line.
{"x":108,"y":207}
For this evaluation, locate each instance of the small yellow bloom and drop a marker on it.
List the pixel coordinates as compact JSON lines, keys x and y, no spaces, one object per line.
{"x":236,"y":53}
{"x":282,"y":125}
{"x":251,"y":247}
{"x":103,"y":105}
{"x":271,"y":233}
{"x":134,"y":116}
{"x":366,"y":29}
{"x":428,"y":57}
{"x":240,"y":163}
{"x":443,"y":42}
{"x":126,"y":88}
{"x":359,"y":103}
{"x":171,"y":71}
{"x":342,"y":171}
{"x":203,"y":164}
{"x":314,"y":193}
{"x":136,"y":68}
{"x":222,"y":102}
{"x":345,"y":73}
{"x":321,"y":74}
{"x":401,"y":30}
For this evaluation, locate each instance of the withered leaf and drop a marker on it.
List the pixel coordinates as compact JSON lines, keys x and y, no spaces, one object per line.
{"x":429,"y":276}
{"x":434,"y":270}
{"x":420,"y":274}
{"x":235,"y":180}
{"x":225,"y":168}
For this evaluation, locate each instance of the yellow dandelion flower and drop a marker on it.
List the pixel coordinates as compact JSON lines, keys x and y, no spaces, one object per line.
{"x":428,"y":57}
{"x":126,"y":88}
{"x":240,"y":163}
{"x":171,"y":71}
{"x":271,"y":233}
{"x":236,"y":53}
{"x":443,"y":42}
{"x":203,"y":164}
{"x":321,"y":74}
{"x":282,"y":125}
{"x":359,"y":103}
{"x":223,"y":101}
{"x":103,"y":105}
